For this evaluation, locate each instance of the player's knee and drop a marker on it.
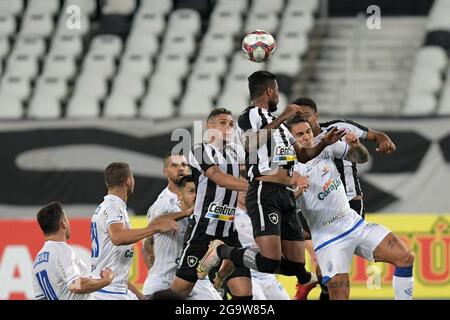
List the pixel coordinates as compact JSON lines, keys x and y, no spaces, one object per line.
{"x":267,"y":265}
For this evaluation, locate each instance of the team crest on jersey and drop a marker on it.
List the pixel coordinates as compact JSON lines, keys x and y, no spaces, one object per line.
{"x":192,"y":261}
{"x":273,"y":217}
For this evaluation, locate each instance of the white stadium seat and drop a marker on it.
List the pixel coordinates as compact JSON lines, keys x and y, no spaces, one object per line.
{"x":203,"y":84}
{"x":426,"y":80}
{"x":82,"y":107}
{"x":297,"y":21}
{"x":29,"y":45}
{"x":44,"y":107}
{"x":10,"y":107}
{"x":100,"y":64}
{"x":18,"y":87}
{"x":165,"y":85}
{"x":195,"y":104}
{"x":120,"y":7}
{"x":236,"y":103}
{"x":68,"y":26}
{"x":240,"y":64}
{"x":262,"y":6}
{"x":135,"y":64}
{"x":262,"y":21}
{"x":237,"y":84}
{"x":184,"y":21}
{"x":292,"y":42}
{"x":222,"y":21}
{"x":157,"y":107}
{"x":149,"y":23}
{"x":7,"y":24}
{"x":11,"y":7}
{"x":60,"y":66}
{"x":49,"y":7}
{"x":211,"y":64}
{"x":107,"y":44}
{"x":91,"y":85}
{"x":142,"y":44}
{"x":22,"y":65}
{"x":309,"y":6}
{"x":37,"y":24}
{"x":120,"y":106}
{"x":285,"y":63}
{"x":128,"y":86}
{"x":184,"y":45}
{"x":53,"y":87}
{"x":88,"y":7}
{"x":71,"y":45}
{"x":174,"y":65}
{"x":432,"y":57}
{"x":419,"y":104}
{"x":161,"y":7}
{"x":239,"y":6}
{"x":219,"y":44}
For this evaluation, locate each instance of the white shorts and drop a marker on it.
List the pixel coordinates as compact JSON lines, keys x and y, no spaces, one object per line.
{"x":267,"y":287}
{"x":98,"y":295}
{"x":337,"y":256}
{"x":204,"y":290}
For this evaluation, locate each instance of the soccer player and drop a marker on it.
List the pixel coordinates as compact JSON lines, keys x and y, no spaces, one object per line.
{"x":271,"y":152}
{"x":347,"y":169}
{"x":175,"y":202}
{"x":58,"y":273}
{"x":112,"y":236}
{"x":215,"y":168}
{"x":337,"y":230}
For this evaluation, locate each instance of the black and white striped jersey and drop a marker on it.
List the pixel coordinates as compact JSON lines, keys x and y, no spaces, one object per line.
{"x":276,"y":153}
{"x":347,"y":169}
{"x":214,"y":206}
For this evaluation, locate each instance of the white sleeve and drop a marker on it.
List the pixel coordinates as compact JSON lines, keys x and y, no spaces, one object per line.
{"x":37,"y":290}
{"x":339,"y":149}
{"x":67,"y":266}
{"x":113,"y":214}
{"x":157,"y":209}
{"x":299,"y":168}
{"x":353,"y":127}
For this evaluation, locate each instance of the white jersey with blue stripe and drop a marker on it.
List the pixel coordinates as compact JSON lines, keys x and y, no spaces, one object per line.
{"x":324,"y":204}
{"x":167,"y":246}
{"x":57,"y":266}
{"x":104,"y":253}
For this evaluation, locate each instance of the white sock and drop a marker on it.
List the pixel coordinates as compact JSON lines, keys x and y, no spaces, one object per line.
{"x":403,"y":283}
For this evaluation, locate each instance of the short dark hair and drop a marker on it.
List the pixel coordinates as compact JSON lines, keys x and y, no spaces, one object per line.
{"x":296,"y":118}
{"x":259,"y":81}
{"x":116,"y":173}
{"x":305,"y":101}
{"x":49,"y":217}
{"x":216,"y":112}
{"x":184,"y":180}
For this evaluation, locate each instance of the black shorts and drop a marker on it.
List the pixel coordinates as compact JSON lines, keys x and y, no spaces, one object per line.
{"x":195,"y":249}
{"x":358,"y":206}
{"x":272,"y":209}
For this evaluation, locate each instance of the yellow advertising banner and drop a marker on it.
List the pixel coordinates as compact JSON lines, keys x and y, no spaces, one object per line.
{"x":428,"y":236}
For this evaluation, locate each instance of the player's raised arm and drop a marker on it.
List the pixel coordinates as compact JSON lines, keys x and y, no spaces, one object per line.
{"x":357,"y":151}
{"x":305,"y":154}
{"x":385,"y":144}
{"x":120,"y":235}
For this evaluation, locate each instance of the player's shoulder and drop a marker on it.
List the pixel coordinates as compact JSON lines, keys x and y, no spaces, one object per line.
{"x":342,"y":123}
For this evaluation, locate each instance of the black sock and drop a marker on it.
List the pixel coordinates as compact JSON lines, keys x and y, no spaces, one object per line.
{"x":291,"y":268}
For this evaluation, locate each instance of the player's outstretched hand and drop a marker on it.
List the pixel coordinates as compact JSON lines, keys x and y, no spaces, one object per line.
{"x":386,"y":146}
{"x":301,"y":182}
{"x":107,"y":274}
{"x":289,"y":111}
{"x":352,"y":140}
{"x":167,"y":226}
{"x":333,"y":136}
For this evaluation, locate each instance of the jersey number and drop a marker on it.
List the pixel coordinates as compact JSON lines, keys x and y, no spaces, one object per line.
{"x":94,"y":238}
{"x":45,"y":285}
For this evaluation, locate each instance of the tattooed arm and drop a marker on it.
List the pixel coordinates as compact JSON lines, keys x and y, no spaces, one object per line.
{"x":357,"y":152}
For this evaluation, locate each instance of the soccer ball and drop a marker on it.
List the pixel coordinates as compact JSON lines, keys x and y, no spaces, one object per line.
{"x":258,"y":45}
